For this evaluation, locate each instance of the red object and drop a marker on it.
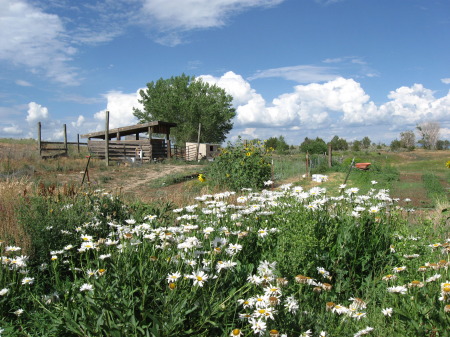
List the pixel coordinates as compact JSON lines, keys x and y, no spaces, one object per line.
{"x":362,"y":166}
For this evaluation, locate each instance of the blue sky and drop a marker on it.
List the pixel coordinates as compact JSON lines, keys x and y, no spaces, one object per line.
{"x":297,"y":68}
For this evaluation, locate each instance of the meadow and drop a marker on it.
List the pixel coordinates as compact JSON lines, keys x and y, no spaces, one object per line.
{"x":291,"y":258}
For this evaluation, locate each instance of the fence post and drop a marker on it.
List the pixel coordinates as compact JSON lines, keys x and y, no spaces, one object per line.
{"x":307,"y":165}
{"x":198,"y":140}
{"x":65,"y":139}
{"x":78,"y":143}
{"x":330,"y":155}
{"x":150,"y":135}
{"x":107,"y":138}
{"x":39,"y":138}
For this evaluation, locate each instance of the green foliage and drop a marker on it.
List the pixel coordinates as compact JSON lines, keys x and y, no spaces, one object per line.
{"x":356,"y":145}
{"x":434,"y":188}
{"x":47,"y":216}
{"x":287,"y":166}
{"x":396,"y":145}
{"x":242,"y":165}
{"x":353,"y":250}
{"x":315,"y":146}
{"x":442,"y":144}
{"x":383,"y":175}
{"x":278,"y":144}
{"x":188,"y":101}
{"x":408,"y":140}
{"x":365,"y":142}
{"x":339,"y":144}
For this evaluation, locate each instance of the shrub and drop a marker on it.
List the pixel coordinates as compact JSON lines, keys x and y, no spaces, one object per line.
{"x":242,"y":166}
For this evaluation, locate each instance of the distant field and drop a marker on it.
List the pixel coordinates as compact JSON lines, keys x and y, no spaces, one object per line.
{"x":401,"y":173}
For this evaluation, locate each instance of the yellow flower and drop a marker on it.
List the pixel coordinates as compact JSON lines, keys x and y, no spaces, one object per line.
{"x":447,"y":164}
{"x":201,"y":178}
{"x":248,"y":154}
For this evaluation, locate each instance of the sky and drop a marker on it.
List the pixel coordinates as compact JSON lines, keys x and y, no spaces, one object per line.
{"x":296,"y":68}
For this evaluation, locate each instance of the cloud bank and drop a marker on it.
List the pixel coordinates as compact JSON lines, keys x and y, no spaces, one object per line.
{"x":336,"y":107}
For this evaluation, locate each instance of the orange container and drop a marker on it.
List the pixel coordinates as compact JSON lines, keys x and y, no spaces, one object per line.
{"x":362,"y":166}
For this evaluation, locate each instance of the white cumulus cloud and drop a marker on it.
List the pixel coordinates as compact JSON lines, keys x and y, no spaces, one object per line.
{"x":120,"y":107}
{"x":79,"y":122}
{"x":339,"y":105}
{"x":234,"y":85}
{"x":12,"y":130}
{"x":411,"y":105}
{"x":35,"y":39}
{"x":445,"y":80}
{"x":36,"y":112}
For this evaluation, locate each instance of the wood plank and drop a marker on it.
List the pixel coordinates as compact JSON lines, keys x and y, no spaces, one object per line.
{"x":132,"y":129}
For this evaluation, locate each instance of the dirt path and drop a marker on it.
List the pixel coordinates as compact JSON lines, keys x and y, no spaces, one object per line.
{"x":135,"y":180}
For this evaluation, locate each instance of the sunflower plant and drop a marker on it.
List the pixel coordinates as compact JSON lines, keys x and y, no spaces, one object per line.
{"x":243,"y":165}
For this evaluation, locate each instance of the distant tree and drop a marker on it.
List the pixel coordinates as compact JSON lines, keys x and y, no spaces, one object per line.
{"x":442,"y":145}
{"x":396,"y":145}
{"x":356,"y":145}
{"x":278,"y":144}
{"x":282,"y":145}
{"x":408,"y":140}
{"x":188,"y":101}
{"x":339,"y":144}
{"x":366,"y":142}
{"x":429,"y":133}
{"x":271,"y":142}
{"x":311,"y":146}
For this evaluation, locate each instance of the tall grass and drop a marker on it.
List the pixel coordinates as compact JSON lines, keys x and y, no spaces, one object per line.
{"x":11,"y":194}
{"x":434,"y":188}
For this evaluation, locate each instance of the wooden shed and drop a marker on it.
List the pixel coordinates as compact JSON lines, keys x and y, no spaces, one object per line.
{"x":132,"y":147}
{"x":205,"y":151}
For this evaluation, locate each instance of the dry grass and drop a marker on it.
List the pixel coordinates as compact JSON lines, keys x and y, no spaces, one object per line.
{"x":11,"y":232}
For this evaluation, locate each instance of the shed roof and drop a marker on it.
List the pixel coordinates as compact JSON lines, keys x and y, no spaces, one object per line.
{"x":157,"y":126}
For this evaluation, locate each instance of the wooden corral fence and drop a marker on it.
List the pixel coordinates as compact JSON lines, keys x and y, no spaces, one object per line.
{"x":133,"y":150}
{"x":187,"y":152}
{"x":49,"y":149}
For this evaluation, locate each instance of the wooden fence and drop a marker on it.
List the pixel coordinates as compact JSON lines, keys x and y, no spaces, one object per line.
{"x":132,"y":150}
{"x":49,"y":149}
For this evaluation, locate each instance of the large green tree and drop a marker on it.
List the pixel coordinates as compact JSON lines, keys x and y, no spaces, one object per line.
{"x":188,"y":101}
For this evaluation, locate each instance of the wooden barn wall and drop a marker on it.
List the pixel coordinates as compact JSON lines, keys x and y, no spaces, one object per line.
{"x":126,"y":149}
